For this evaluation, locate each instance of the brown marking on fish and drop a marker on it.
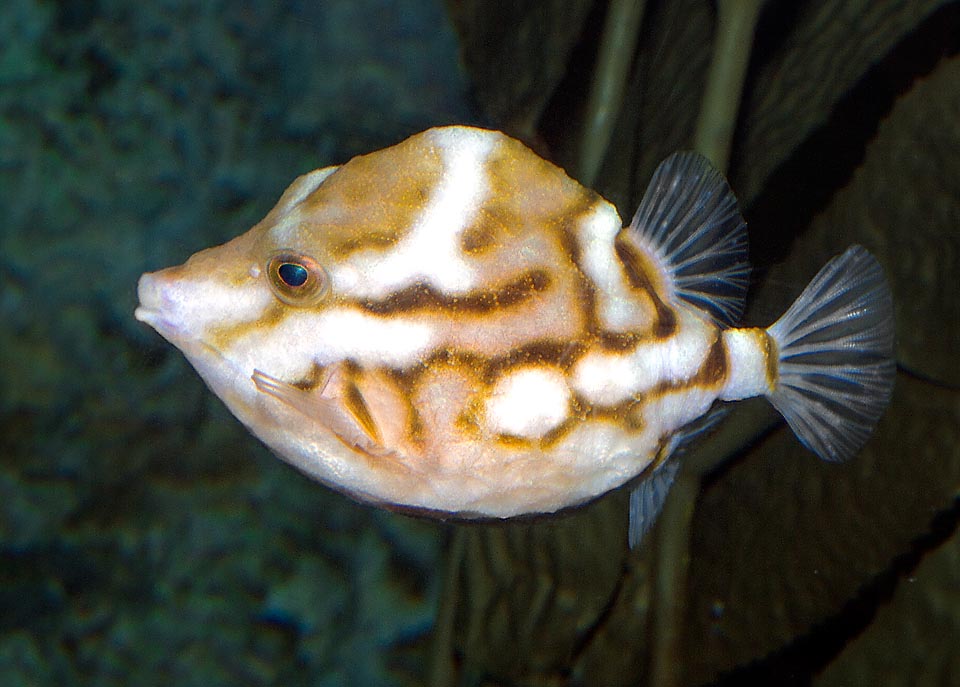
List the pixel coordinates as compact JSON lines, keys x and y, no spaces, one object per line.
{"x":553,"y":436}
{"x":623,"y":414}
{"x":582,"y":412}
{"x":405,"y":382}
{"x":638,"y":271}
{"x":515,"y":443}
{"x":586,"y":293}
{"x":355,"y":404}
{"x":553,"y":353}
{"x":495,"y":224}
{"x":469,"y":422}
{"x":713,"y":370}
{"x":424,"y":297}
{"x":772,"y":356}
{"x":366,"y":241}
{"x":373,"y":200}
{"x":313,"y":378}
{"x":222,"y":336}
{"x":619,"y":342}
{"x":477,"y":239}
{"x":533,"y":204}
{"x":711,"y":374}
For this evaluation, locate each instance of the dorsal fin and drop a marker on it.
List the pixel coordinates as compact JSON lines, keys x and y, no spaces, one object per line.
{"x":689,"y":217}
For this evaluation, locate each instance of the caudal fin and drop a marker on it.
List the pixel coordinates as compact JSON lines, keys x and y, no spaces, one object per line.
{"x":836,"y":356}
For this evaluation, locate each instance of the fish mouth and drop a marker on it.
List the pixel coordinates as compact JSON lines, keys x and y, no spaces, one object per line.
{"x":155,"y":319}
{"x":166,"y":328}
{"x":152,"y":311}
{"x":159,"y":311}
{"x":210,"y":363}
{"x":175,"y":335}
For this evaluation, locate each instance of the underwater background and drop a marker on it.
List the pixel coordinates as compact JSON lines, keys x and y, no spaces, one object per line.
{"x":147,"y":539}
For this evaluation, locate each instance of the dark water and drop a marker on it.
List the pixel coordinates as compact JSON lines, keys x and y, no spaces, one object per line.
{"x":145,"y":537}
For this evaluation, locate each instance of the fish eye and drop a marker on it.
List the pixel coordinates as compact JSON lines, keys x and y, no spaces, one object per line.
{"x":296,"y":279}
{"x":292,"y":274}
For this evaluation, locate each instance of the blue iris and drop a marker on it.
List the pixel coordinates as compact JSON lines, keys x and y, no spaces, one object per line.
{"x":292,"y":274}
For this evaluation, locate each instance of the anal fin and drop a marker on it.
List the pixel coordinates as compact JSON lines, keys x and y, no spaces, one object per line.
{"x":647,"y":499}
{"x":649,"y":495}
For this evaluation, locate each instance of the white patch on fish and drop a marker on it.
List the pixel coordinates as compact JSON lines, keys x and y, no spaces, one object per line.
{"x":528,"y":402}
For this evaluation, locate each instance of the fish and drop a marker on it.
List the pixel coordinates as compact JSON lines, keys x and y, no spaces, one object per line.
{"x":453,"y":326}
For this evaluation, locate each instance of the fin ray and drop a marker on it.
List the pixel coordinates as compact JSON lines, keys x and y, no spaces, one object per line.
{"x":689,"y":216}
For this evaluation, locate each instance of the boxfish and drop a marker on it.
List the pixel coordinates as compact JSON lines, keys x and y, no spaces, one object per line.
{"x":454,"y":326}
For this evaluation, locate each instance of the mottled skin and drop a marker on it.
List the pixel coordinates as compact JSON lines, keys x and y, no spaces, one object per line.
{"x":480,"y":337}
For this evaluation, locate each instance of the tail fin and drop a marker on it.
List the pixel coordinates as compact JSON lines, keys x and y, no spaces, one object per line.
{"x":836,"y":356}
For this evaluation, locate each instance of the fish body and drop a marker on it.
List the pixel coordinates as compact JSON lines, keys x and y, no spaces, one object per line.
{"x":454,"y":325}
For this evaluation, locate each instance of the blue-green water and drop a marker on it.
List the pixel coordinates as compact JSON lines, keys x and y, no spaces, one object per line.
{"x":145,"y":537}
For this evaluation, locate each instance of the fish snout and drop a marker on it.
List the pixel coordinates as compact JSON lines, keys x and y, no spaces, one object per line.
{"x":157,"y":305}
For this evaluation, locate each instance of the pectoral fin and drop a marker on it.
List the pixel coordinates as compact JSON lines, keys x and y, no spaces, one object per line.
{"x":335,"y":403}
